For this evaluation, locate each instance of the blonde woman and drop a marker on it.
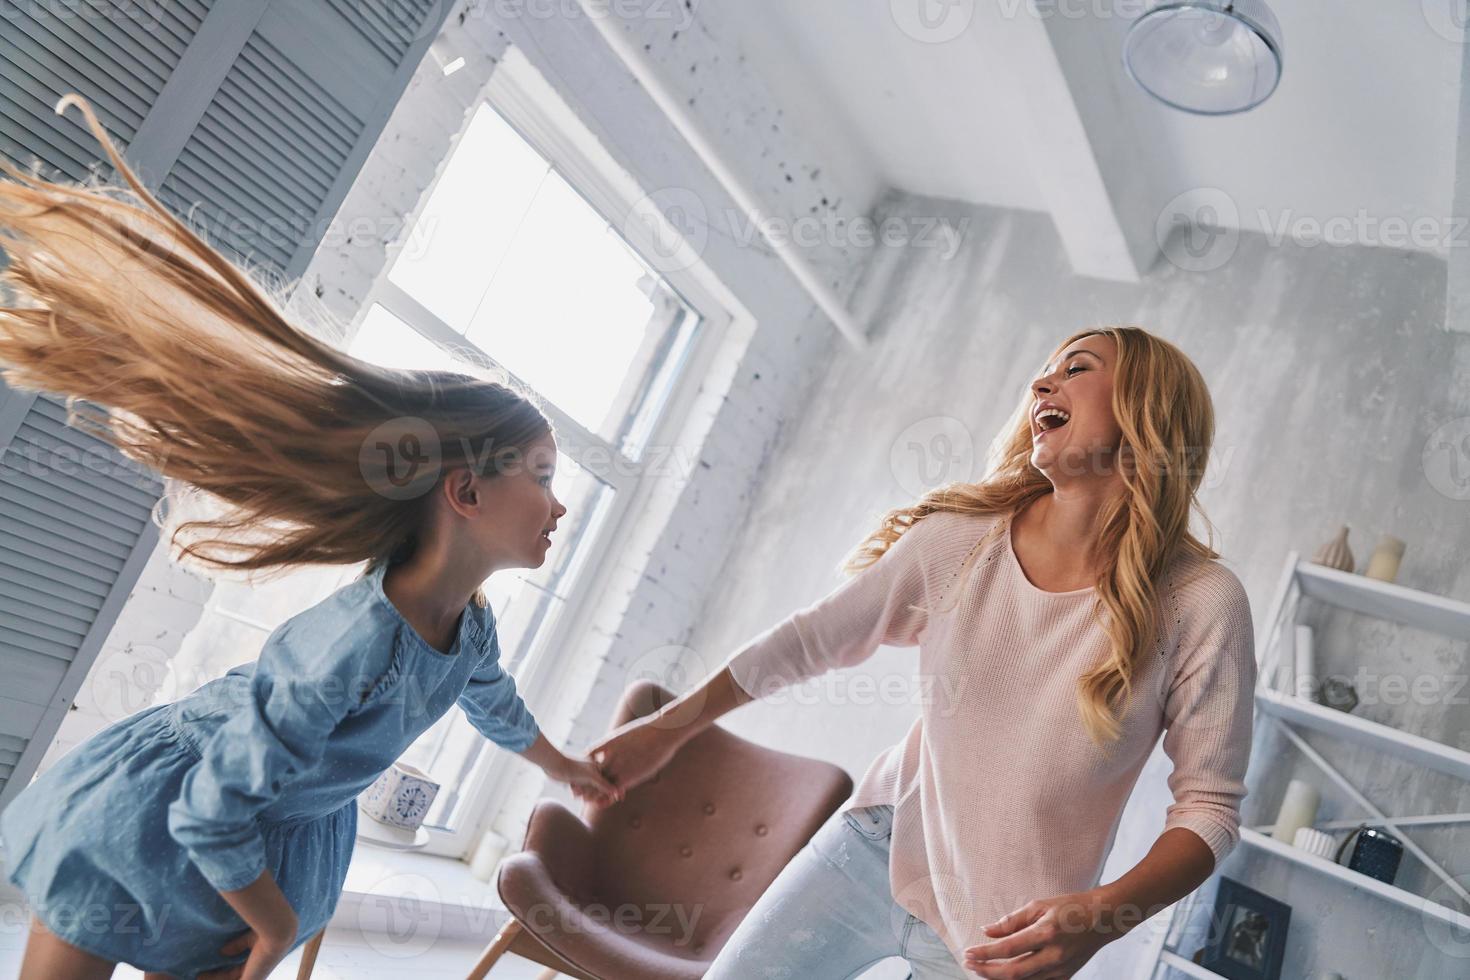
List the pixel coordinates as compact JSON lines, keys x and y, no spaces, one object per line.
{"x":1070,"y":618}
{"x":210,"y":836}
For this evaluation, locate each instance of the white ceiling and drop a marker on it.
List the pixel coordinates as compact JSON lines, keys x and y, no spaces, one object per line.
{"x":1365,"y":118}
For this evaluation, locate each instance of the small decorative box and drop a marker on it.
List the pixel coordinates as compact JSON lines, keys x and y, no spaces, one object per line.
{"x":400,"y":797}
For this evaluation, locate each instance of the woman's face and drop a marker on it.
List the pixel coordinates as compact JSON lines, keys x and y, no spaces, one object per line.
{"x":519,"y":511}
{"x":1079,"y":383}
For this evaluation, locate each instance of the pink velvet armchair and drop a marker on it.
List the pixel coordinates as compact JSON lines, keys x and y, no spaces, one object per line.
{"x":652,"y":887}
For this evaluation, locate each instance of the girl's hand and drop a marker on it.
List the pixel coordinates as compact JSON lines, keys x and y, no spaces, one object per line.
{"x":1047,"y":939}
{"x":587,"y":781}
{"x":273,"y":927}
{"x":262,"y":960}
{"x":636,"y":752}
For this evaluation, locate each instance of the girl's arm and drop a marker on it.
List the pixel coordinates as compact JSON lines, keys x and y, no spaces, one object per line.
{"x":492,"y":704}
{"x":264,"y":908}
{"x":279,"y":731}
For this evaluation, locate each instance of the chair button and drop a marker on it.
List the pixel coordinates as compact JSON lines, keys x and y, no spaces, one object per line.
{"x":709,"y":808}
{"x":736,"y":875}
{"x":687,"y":851}
{"x":761,"y":830}
{"x":635,"y":822}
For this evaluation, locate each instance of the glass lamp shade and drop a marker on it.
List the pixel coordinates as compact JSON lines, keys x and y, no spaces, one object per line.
{"x":1207,"y":56}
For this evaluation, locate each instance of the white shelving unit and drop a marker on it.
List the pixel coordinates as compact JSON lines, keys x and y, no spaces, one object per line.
{"x":1277,"y":704}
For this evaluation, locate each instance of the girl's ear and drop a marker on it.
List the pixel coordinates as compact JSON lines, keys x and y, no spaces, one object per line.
{"x":461,"y":487}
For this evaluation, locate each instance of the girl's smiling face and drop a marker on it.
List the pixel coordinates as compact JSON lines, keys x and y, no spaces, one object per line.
{"x":520,"y":510}
{"x":1079,"y":383}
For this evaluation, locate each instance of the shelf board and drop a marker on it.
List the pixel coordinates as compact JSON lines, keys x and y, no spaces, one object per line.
{"x":1356,"y":879}
{"x":1190,"y":967}
{"x":1349,"y":727}
{"x":1385,"y":600}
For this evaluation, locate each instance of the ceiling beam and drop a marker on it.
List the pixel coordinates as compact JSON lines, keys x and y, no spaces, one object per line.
{"x":1083,"y":188}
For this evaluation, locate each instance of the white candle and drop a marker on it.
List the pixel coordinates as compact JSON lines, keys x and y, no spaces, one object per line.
{"x":491,"y":849}
{"x":1298,"y":809}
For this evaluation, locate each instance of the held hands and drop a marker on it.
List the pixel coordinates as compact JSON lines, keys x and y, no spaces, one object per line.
{"x":635,"y":753}
{"x":1046,"y":939}
{"x":586,"y":781}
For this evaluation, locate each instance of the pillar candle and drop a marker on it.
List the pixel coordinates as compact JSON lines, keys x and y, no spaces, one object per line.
{"x":1384,"y":565}
{"x":1298,"y":809}
{"x":487,"y":856}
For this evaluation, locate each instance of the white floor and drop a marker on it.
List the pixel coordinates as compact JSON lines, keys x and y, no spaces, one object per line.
{"x":344,"y":956}
{"x":348,"y":956}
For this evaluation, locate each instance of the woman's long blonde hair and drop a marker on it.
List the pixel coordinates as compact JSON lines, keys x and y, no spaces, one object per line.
{"x":305,"y":455}
{"x":1168,"y":424}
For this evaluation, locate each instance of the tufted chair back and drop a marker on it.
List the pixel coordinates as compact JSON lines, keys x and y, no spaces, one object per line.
{"x":652,"y":887}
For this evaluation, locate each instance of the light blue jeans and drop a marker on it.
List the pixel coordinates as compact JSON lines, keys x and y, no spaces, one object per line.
{"x":830,"y":913}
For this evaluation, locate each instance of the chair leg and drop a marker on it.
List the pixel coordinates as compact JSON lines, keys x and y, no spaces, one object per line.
{"x":308,"y":955}
{"x":550,"y":973}
{"x":496,"y":949}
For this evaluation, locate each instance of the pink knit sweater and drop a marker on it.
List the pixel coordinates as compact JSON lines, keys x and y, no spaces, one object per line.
{"x":1000,"y":796}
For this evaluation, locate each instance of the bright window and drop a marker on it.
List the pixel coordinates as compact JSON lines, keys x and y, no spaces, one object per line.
{"x":507,"y":263}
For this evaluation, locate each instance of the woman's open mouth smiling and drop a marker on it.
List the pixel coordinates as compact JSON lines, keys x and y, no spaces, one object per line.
{"x":1049,"y":420}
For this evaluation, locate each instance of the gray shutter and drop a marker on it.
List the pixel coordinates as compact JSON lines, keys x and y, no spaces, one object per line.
{"x":257,"y":114}
{"x":119,"y":56}
{"x":289,"y":124}
{"x":74,"y":535}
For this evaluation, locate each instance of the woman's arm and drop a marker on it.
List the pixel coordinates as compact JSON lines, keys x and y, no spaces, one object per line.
{"x":881,"y":604}
{"x":637,"y":750}
{"x":1209,"y":709}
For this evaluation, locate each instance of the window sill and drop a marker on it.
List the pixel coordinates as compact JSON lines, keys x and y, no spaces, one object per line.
{"x":424,"y":895}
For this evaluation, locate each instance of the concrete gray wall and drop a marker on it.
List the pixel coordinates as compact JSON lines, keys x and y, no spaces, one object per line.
{"x":1330,"y":372}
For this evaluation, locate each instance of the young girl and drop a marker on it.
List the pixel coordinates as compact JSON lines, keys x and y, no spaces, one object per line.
{"x":211,"y":836}
{"x":1066,"y":617}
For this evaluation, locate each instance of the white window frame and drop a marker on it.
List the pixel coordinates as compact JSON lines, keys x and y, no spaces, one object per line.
{"x":533,"y":108}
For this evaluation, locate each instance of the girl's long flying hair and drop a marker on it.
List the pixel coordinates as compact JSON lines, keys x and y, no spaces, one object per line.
{"x":299,"y":453}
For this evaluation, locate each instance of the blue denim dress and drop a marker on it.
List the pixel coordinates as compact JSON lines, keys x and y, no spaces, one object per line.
{"x":123,"y":846}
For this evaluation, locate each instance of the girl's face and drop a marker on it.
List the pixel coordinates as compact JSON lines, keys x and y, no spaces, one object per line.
{"x":1080,"y":383}
{"x":519,"y":510}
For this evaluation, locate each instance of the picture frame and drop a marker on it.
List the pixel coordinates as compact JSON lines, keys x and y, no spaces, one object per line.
{"x":1247,"y":933}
